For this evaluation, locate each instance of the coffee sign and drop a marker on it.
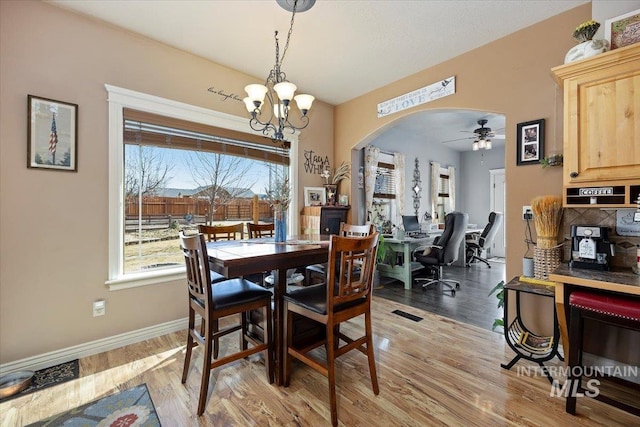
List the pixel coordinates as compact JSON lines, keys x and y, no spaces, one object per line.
{"x":596,"y":191}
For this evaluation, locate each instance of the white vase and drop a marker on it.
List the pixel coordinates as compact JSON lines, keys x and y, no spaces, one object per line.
{"x":586,"y":49}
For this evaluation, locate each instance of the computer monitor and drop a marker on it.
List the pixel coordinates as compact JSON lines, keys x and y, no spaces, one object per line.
{"x":410,"y":223}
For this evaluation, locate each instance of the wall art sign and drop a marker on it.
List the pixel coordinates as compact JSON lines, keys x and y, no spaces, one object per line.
{"x":52,"y":131}
{"x":596,"y":191}
{"x":315,"y":163}
{"x":423,"y":95}
{"x":225,"y":96}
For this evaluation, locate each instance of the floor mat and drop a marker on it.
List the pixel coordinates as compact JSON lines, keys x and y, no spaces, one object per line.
{"x":48,"y":377}
{"x":132,"y":407}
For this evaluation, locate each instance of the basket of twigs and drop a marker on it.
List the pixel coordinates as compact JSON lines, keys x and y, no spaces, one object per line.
{"x":547,"y":217}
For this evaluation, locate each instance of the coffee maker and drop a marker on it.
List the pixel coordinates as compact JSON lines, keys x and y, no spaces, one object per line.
{"x":590,"y":247}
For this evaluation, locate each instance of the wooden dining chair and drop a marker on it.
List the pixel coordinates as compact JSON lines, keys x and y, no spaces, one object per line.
{"x":316,"y":273}
{"x":347,"y":296}
{"x":222,"y":232}
{"x":214,"y":301}
{"x":258,"y":231}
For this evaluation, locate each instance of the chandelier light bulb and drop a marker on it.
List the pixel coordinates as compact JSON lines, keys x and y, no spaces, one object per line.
{"x":248,"y":102}
{"x":280,"y":111}
{"x":256,"y":93}
{"x":285,"y":91}
{"x":304,"y":102}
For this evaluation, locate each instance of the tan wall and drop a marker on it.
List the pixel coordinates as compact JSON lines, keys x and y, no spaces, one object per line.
{"x":510,"y":76}
{"x":54,"y":225}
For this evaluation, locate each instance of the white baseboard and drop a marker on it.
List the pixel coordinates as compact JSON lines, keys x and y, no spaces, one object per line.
{"x":93,"y":347}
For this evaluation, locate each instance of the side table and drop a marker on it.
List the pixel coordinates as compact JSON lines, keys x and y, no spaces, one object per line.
{"x":522,"y":341}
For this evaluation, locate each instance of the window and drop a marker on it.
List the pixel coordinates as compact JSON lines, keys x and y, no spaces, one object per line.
{"x":384,"y":197}
{"x":173,"y":165}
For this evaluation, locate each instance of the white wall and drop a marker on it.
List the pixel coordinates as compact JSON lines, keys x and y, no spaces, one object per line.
{"x":473,"y":182}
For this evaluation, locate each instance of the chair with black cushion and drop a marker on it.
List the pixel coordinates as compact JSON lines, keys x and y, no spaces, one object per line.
{"x":444,"y":251}
{"x":217,"y":300}
{"x":478,"y":244}
{"x":345,"y":297}
{"x":258,"y":231}
{"x":315,"y":274}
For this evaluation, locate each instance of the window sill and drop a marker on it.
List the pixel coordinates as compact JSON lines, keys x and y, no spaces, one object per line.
{"x":147,"y":278}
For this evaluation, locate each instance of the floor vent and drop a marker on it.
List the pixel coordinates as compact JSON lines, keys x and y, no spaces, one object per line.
{"x":407,"y":315}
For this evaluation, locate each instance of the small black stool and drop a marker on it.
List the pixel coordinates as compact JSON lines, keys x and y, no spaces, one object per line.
{"x":604,"y":308}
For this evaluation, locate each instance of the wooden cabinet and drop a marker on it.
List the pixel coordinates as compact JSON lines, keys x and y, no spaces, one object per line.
{"x":322,"y":219}
{"x":602,"y":127}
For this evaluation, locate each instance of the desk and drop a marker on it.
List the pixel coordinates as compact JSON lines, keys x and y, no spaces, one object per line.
{"x":404,"y":246}
{"x":243,"y":257}
{"x":567,"y":279}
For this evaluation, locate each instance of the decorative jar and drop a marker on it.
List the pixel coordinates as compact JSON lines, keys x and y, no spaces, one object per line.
{"x":280,"y":225}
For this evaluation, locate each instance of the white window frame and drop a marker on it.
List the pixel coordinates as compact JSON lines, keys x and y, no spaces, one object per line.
{"x":120,"y":98}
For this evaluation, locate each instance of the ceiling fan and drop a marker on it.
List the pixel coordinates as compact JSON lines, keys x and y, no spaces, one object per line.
{"x":482,"y":136}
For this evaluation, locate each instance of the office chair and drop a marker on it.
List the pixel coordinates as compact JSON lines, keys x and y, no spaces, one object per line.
{"x":484,"y":240}
{"x":444,"y":251}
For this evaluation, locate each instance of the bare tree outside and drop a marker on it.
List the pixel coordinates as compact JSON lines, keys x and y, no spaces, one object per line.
{"x":146,"y":170}
{"x":221,"y":178}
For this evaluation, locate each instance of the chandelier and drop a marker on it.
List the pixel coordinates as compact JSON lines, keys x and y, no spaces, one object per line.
{"x":278,"y":91}
{"x":483,"y":134}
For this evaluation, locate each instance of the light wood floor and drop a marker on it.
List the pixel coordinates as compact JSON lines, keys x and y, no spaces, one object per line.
{"x":433,"y":372}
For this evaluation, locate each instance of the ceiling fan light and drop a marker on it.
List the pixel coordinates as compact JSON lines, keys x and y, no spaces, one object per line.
{"x":488,"y":145}
{"x":482,"y":143}
{"x":475,"y":146}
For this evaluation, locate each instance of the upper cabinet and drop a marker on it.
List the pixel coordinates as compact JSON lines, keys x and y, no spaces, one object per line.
{"x":602,"y":128}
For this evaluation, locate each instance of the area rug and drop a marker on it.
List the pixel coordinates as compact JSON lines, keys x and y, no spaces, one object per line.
{"x":48,"y":377}
{"x":132,"y":407}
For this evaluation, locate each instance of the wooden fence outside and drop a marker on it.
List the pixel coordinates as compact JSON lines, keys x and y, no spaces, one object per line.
{"x":179,"y":207}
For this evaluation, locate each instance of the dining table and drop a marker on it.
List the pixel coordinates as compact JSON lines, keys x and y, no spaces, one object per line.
{"x":236,"y":258}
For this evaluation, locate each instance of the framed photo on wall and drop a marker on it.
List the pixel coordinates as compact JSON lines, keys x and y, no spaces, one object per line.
{"x":623,"y":30}
{"x":52,"y":131}
{"x":314,"y":196}
{"x":530,"y":142}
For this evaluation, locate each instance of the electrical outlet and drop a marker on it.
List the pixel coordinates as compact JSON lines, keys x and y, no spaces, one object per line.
{"x":99,"y":308}
{"x":527,"y":213}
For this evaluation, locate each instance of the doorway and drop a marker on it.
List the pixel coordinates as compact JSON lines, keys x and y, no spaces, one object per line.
{"x":497,"y":202}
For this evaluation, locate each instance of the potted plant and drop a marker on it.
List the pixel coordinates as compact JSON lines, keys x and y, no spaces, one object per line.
{"x":554,"y":160}
{"x":499,"y":291}
{"x":381,"y":255}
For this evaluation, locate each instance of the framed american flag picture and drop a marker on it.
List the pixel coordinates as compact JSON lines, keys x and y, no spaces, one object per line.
{"x":52,"y":134}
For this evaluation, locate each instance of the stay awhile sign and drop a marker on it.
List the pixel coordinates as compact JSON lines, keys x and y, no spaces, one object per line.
{"x":423,"y":95}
